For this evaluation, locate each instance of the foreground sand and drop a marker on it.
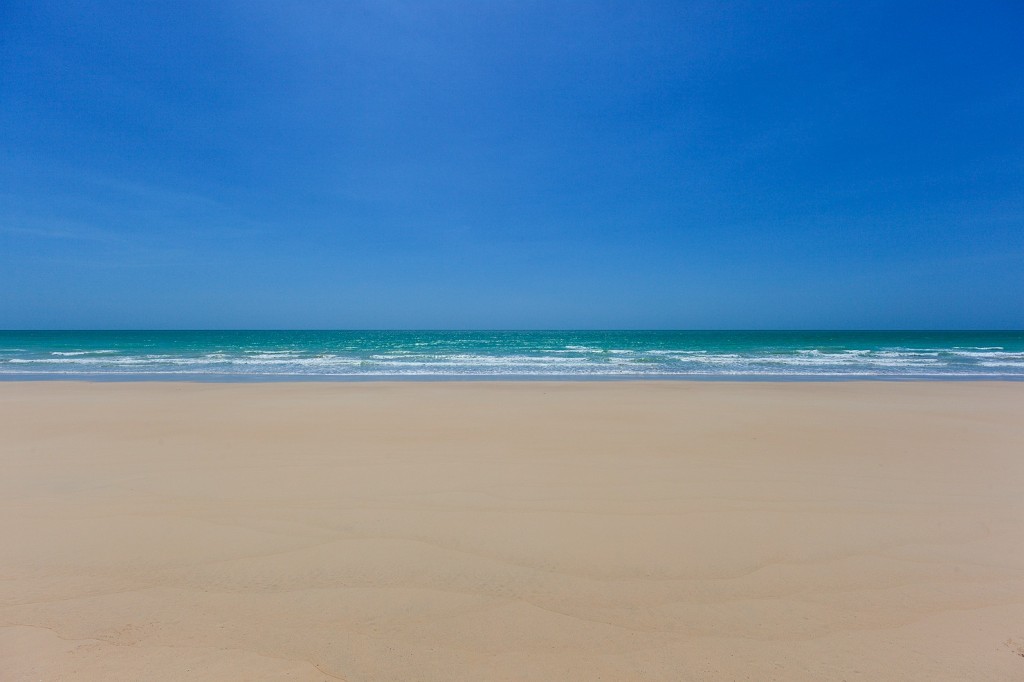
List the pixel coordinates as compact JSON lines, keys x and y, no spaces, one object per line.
{"x":541,"y":531}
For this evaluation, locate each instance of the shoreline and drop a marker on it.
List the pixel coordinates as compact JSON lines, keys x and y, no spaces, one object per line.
{"x":202,"y":378}
{"x":610,"y":355}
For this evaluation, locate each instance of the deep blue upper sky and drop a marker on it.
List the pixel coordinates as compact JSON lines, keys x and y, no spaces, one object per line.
{"x":511,"y":164}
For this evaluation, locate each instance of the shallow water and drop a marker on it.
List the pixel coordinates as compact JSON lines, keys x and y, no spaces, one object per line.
{"x":235,"y":355}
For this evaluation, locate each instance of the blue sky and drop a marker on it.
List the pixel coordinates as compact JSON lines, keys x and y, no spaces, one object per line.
{"x":511,"y":165}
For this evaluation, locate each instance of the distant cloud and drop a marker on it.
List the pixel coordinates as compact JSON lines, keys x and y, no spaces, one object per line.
{"x":57,"y":229}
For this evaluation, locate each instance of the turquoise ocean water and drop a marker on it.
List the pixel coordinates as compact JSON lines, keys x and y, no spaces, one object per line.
{"x":270,"y":355}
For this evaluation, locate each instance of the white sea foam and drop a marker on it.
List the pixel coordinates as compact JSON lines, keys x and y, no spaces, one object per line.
{"x":82,"y":352}
{"x":679,"y":352}
{"x":448,"y":358}
{"x":271,"y":354}
{"x":987,"y":354}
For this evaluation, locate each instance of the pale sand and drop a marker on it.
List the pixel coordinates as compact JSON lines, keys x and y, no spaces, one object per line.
{"x":491,"y":531}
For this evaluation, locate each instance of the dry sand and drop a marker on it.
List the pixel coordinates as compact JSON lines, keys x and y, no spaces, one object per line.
{"x":522,"y":531}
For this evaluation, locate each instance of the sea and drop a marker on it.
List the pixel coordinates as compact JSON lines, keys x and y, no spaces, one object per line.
{"x":368,"y":355}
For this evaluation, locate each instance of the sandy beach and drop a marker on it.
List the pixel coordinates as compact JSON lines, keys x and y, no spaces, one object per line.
{"x":512,"y":531}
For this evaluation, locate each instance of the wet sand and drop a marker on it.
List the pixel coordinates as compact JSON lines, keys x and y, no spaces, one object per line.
{"x":512,"y":531}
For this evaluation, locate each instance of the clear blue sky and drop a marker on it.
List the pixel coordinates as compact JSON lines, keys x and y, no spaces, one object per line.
{"x":511,"y":164}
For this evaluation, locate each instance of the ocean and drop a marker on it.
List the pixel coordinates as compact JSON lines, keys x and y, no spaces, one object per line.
{"x":340,"y":355}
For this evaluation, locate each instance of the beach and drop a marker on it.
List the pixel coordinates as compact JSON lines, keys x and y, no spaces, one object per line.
{"x":516,"y":530}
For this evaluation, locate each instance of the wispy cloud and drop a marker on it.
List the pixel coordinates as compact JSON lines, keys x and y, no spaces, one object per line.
{"x":87,"y":206}
{"x":56,"y":229}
